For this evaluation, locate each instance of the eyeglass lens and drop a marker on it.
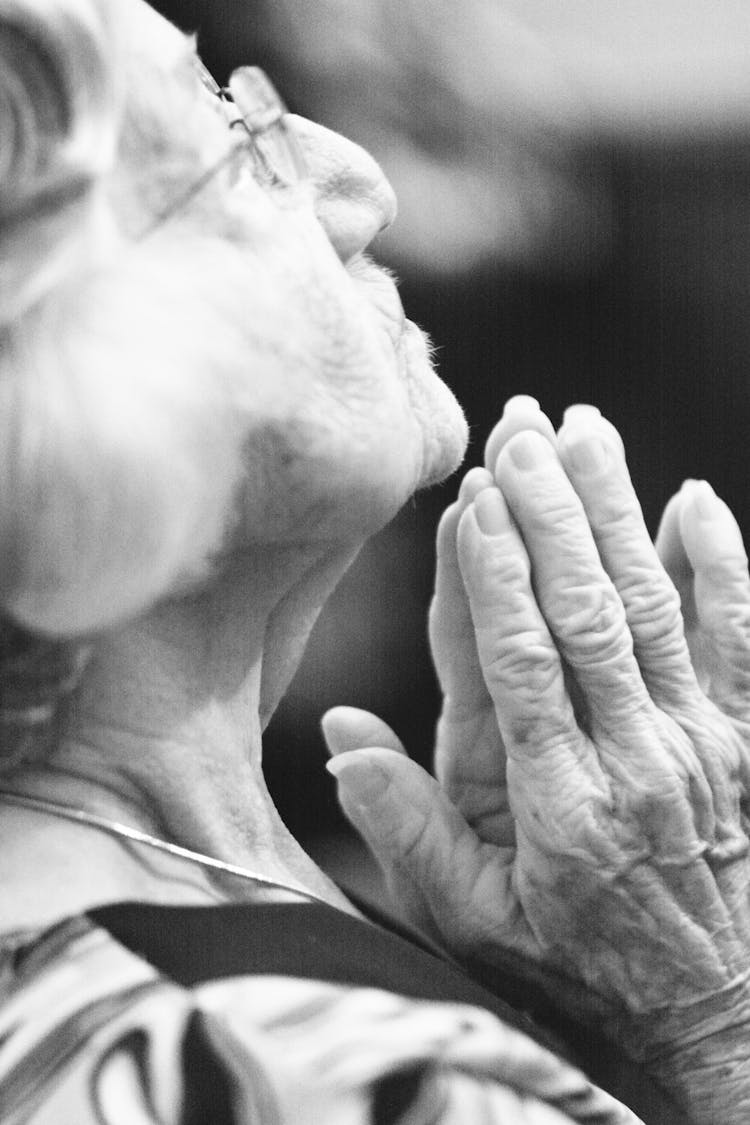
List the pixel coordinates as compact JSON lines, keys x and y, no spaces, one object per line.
{"x":261,"y":113}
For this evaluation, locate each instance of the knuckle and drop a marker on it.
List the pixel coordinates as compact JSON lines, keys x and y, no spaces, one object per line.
{"x":539,"y":736}
{"x":501,"y":575}
{"x":588,"y":620}
{"x":653,"y":608}
{"x":525,"y":664}
{"x":410,"y":846}
{"x":553,"y":513}
{"x":615,"y":513}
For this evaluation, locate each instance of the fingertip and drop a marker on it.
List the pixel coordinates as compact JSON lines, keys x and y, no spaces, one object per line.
{"x":705,"y":501}
{"x":491,"y":512}
{"x":521,"y":413}
{"x":581,"y":411}
{"x":708,"y":528}
{"x":669,"y":545}
{"x":527,"y":451}
{"x":582,"y":423}
{"x":521,"y":402}
{"x":584,"y":454}
{"x":335,"y":725}
{"x":473,"y":483}
{"x":350,"y":728}
{"x":698,"y":501}
{"x":487,"y":517}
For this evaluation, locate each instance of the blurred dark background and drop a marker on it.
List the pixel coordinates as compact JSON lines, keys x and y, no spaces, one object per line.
{"x":575,"y":225}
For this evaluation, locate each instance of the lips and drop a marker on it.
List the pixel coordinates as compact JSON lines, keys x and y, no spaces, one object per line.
{"x":381,"y":293}
{"x":441,"y":419}
{"x":444,"y":428}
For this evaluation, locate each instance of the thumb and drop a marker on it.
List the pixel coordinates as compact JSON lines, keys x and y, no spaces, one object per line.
{"x":349,"y":728}
{"x":431,"y":859}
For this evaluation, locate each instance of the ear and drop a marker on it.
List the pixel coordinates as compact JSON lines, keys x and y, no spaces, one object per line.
{"x":59,"y":121}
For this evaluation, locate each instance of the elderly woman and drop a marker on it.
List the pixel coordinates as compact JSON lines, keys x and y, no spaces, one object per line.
{"x":210,"y":399}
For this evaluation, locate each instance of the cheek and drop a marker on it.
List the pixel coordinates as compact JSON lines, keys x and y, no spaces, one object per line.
{"x":338,"y":465}
{"x":333,"y":448}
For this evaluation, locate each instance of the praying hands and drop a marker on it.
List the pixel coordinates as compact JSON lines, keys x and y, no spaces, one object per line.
{"x":589,"y":813}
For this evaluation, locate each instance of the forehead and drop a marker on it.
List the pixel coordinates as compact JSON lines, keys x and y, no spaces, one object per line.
{"x":148,"y":34}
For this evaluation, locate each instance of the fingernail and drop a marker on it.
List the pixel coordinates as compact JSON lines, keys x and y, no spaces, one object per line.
{"x":704,"y":498}
{"x":529,"y":450}
{"x":587,"y":456}
{"x":491,"y":512}
{"x":581,"y":411}
{"x":363,"y":779}
{"x":475,"y":480}
{"x":520,"y":402}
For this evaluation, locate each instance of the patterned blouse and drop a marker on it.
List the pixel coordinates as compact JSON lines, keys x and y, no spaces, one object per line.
{"x":94,"y":1032}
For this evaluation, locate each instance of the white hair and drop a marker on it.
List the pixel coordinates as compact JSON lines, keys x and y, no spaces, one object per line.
{"x":121,"y":442}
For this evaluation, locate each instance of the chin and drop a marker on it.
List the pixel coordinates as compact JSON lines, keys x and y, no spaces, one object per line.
{"x":445,"y":432}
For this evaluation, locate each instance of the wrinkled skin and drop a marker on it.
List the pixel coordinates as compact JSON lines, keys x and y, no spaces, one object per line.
{"x":593,"y":764}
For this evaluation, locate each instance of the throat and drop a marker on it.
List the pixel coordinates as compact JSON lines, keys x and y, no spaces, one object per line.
{"x":128,"y":864}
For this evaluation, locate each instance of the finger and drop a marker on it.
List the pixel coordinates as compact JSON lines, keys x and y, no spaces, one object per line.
{"x":716,"y":553}
{"x":591,"y":453}
{"x":434,"y":865}
{"x":469,"y":754}
{"x":671,"y":550}
{"x":583,"y":413}
{"x":520,"y":662}
{"x":451,"y":630}
{"x":576,"y":596}
{"x":719,"y":764}
{"x":521,"y":413}
{"x":348,"y":728}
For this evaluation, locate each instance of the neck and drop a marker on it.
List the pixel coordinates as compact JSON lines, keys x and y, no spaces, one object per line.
{"x":165,"y":734}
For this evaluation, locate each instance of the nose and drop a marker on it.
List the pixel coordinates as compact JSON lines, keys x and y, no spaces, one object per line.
{"x":353,"y":199}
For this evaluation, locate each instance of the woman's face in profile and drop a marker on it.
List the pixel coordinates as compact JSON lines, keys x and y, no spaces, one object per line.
{"x":345,"y":416}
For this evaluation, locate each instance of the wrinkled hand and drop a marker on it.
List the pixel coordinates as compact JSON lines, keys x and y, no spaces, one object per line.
{"x":592,"y":815}
{"x":707,"y":564}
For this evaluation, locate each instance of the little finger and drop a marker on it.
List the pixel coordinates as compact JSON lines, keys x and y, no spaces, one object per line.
{"x":716,"y":553}
{"x":671,"y":550}
{"x":469,"y":758}
{"x":451,"y":631}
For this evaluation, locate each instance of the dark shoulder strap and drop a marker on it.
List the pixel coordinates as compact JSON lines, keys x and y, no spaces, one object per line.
{"x":314,"y":941}
{"x":194,"y":944}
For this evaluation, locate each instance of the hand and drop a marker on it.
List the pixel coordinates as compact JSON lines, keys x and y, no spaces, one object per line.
{"x":613,"y":847}
{"x":469,"y":753}
{"x":701,"y":549}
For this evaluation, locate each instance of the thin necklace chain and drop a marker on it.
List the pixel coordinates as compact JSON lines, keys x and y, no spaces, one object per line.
{"x":81,"y":816}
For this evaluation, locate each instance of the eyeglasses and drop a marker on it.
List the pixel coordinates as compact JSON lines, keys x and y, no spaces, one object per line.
{"x":254,"y":108}
{"x":257,"y":110}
